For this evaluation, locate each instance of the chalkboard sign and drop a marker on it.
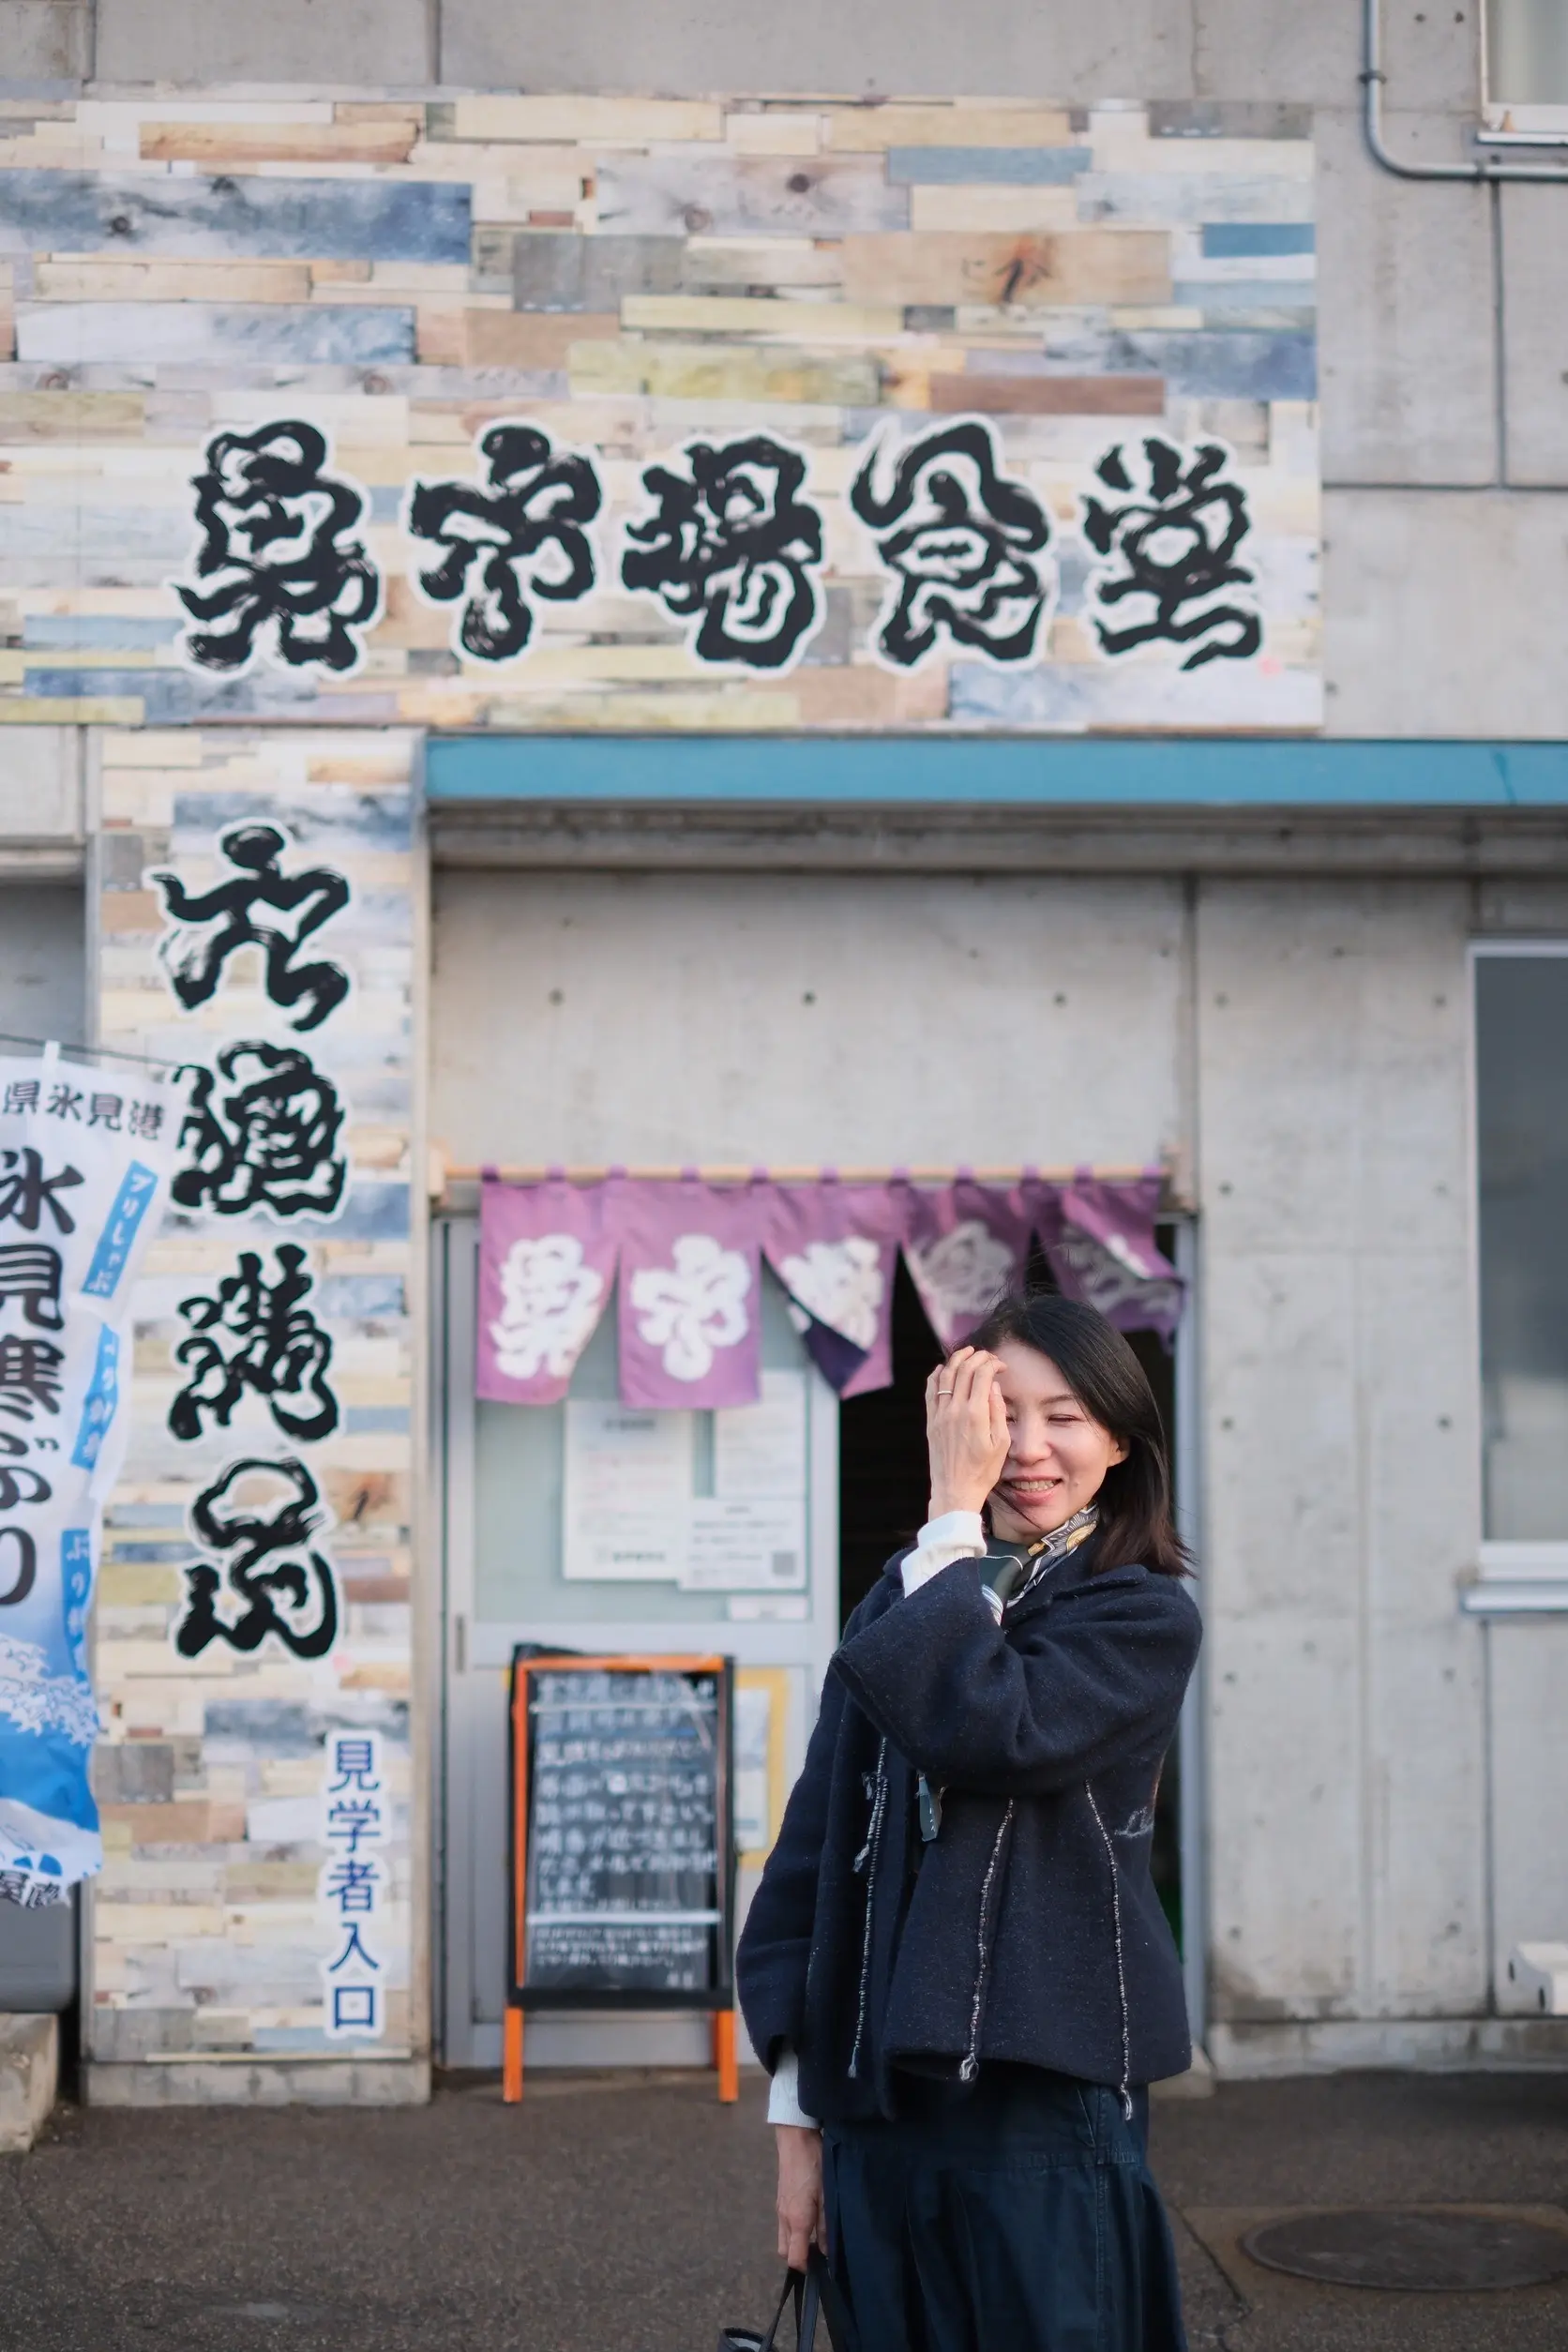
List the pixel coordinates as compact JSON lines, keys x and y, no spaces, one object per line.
{"x":623,"y":1844}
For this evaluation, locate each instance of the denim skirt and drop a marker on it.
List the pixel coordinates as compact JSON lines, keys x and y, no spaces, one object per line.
{"x":1016,"y":2216}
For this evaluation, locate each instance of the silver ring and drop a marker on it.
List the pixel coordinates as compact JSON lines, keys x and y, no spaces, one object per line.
{"x":944,"y":1391}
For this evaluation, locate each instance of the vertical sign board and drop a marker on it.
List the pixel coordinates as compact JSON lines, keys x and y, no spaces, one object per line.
{"x":255,"y":928}
{"x":622,"y":1856}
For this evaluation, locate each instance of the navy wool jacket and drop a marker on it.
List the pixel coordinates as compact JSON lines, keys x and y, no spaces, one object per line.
{"x":1028,"y":1930}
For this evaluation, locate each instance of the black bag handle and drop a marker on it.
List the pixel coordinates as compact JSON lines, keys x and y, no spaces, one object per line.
{"x":822,"y":2285}
{"x":792,"y":2281}
{"x":815,"y":2292}
{"x":816,"y":2295}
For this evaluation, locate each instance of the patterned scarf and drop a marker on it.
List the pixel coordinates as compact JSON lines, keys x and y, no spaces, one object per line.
{"x":1038,"y":1559}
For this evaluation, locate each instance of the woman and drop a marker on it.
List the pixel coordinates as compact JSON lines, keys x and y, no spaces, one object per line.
{"x":956,"y":1966}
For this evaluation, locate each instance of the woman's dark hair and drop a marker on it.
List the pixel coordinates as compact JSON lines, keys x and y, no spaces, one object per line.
{"x":1136,"y":1523}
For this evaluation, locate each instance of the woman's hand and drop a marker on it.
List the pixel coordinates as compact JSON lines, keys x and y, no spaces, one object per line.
{"x":966,"y":1430}
{"x":801,"y":2222}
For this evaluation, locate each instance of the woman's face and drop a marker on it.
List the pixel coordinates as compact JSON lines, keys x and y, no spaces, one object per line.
{"x":1057,"y":1457}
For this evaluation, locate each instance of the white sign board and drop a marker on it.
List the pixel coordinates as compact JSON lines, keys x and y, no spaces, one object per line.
{"x":84,"y":1158}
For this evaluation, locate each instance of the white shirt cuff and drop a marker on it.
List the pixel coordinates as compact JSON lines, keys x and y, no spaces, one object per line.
{"x":783,"y":2099}
{"x":956,"y":1535}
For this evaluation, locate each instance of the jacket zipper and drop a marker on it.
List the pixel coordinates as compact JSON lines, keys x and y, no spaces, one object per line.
{"x":867,"y":1859}
{"x":971,"y":2066}
{"x":1123,"y":2087}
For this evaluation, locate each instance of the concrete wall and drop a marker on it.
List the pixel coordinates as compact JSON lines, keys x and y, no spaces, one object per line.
{"x":858,"y":1021}
{"x":1157,"y":49}
{"x":1346,"y":1769}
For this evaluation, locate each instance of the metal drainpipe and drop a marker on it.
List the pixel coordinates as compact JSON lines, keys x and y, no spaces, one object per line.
{"x":1480,"y":174}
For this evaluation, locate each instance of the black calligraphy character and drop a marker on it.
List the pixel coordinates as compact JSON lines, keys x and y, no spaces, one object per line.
{"x":276,"y":555}
{"x":261,"y":1131}
{"x":733,"y":542}
{"x":260,"y":1335}
{"x":963,"y":542}
{"x":194,"y":955}
{"x":26,"y":1192}
{"x":20,"y":1486}
{"x":523,"y":535}
{"x":251,"y":1538}
{"x":30,"y":1274}
{"x":29,"y":1385}
{"x":19,"y":1557}
{"x":30,"y":1375}
{"x":1170,"y":536}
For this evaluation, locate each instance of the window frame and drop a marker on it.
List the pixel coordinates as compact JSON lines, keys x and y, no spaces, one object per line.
{"x":1509,"y":1561}
{"x":1510,"y":122}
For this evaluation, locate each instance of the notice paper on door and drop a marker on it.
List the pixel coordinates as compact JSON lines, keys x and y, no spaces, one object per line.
{"x":753,"y":1707}
{"x":760,"y":1450}
{"x":746,"y":1547}
{"x":626,"y":1492}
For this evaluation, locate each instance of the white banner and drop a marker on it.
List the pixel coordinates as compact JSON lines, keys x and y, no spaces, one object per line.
{"x":85,"y":1153}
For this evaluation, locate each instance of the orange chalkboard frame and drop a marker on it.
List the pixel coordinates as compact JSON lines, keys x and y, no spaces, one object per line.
{"x":718,"y":1999}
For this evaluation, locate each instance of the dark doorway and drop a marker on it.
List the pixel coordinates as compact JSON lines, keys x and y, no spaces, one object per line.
{"x":884,"y":1488}
{"x":883,"y":1482}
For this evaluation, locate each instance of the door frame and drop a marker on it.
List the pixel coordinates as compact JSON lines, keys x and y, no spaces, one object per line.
{"x":1191,"y":1741}
{"x":452,"y":1414}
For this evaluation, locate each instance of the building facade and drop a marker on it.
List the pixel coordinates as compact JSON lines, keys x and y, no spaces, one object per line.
{"x":659,"y":591}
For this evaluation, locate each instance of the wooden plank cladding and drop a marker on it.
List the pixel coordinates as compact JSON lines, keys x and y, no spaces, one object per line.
{"x":379,"y":142}
{"x":965,"y":124}
{"x":1008,"y":167}
{"x":827,"y":278}
{"x":588,"y":121}
{"x":1085,"y":265}
{"x":76,"y":334}
{"x":373,"y":220}
{"x":1049,"y":396}
{"x":713,"y":192}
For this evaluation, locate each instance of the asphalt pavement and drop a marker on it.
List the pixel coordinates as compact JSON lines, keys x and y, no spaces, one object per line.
{"x":634,"y":2214}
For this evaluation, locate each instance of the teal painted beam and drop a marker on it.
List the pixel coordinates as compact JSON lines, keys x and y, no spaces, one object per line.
{"x":952,"y":771}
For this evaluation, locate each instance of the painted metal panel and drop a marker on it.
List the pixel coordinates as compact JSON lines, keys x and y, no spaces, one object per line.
{"x":1198,"y":771}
